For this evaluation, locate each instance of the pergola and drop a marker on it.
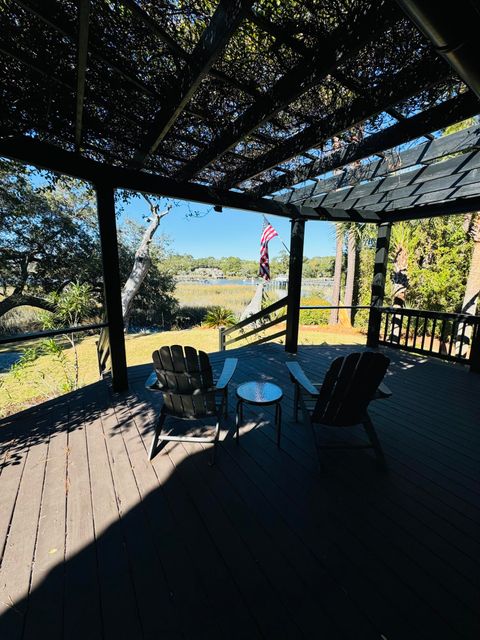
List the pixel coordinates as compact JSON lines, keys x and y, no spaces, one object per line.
{"x":297,"y":111}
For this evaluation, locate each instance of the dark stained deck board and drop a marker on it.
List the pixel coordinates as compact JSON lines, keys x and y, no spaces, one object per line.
{"x":365,"y":528}
{"x":45,"y":606}
{"x":115,"y":580}
{"x":189,"y":563}
{"x":19,"y":552}
{"x":260,"y":545}
{"x":376,"y":570}
{"x":82,"y":612}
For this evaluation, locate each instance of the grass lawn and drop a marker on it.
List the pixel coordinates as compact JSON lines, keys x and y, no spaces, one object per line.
{"x":45,"y":378}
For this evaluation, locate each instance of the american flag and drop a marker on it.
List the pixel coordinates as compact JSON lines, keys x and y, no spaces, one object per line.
{"x":268,"y":233}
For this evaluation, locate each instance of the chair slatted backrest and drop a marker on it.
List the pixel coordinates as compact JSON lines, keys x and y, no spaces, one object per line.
{"x":349,"y":385}
{"x":186,"y":380}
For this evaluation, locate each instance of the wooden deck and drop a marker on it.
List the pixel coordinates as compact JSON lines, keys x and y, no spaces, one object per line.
{"x":96,"y":542}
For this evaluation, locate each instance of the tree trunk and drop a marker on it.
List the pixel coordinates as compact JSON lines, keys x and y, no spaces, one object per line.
{"x":21,"y":300}
{"x":141,"y":263}
{"x":255,"y":304}
{"x":337,"y":275}
{"x":400,"y":286}
{"x":472,"y":289}
{"x":351,"y":267}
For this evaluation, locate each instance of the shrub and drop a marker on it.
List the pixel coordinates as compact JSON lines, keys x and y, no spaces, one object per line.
{"x":219,"y":317}
{"x":314,"y":316}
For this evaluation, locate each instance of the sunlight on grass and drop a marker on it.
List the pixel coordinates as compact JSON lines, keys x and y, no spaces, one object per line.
{"x":44,"y":379}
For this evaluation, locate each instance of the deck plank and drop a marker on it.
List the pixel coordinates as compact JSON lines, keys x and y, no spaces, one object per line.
{"x":83,"y":614}
{"x":19,"y":553}
{"x":46,"y":601}
{"x":259,"y":546}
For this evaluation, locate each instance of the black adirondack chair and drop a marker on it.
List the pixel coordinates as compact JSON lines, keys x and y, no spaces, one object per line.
{"x":342,"y":400}
{"x":184,"y":377}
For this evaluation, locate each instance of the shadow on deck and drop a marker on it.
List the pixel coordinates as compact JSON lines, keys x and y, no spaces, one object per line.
{"x":96,"y":542}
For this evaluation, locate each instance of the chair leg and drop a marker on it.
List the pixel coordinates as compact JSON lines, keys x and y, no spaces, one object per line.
{"x":315,"y":441}
{"x":225,"y":400}
{"x":278,"y":421}
{"x":238,"y":417}
{"x":158,"y":428}
{"x":295,"y":402}
{"x":372,"y":436}
{"x":214,"y":448}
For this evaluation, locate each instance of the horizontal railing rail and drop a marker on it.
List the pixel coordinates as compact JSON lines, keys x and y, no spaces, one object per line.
{"x":262,"y":320}
{"x":50,"y":333}
{"x":329,"y":306}
{"x":444,"y":335}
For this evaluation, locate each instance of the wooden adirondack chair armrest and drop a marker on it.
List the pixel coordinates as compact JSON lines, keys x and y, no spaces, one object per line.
{"x":152,"y":383}
{"x":382,"y":393}
{"x":228,"y":370}
{"x":297,"y":375}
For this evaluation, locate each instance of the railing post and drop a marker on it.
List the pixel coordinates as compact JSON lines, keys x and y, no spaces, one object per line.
{"x":111,"y":279}
{"x":221,"y":339}
{"x":294,"y":284}
{"x":475,"y":350}
{"x":378,"y":283}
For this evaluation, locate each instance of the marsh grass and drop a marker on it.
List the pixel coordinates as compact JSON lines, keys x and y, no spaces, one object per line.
{"x":231,"y":296}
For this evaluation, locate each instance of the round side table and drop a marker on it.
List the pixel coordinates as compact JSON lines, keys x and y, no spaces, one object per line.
{"x":260,"y":394}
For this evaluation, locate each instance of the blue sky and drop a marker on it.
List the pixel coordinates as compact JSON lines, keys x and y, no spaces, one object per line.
{"x":230,"y":233}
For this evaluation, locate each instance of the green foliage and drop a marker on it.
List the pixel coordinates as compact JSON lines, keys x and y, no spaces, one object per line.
{"x":48,"y":236}
{"x":439,"y":255}
{"x":72,"y":305}
{"x":439,"y":271}
{"x":234,"y":267}
{"x":314,"y":316}
{"x":219,"y":317}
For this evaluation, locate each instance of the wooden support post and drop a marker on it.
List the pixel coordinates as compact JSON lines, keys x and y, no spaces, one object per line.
{"x":475,"y":350}
{"x":112,"y":286}
{"x":294,"y":284}
{"x":221,"y":339}
{"x":378,"y":283}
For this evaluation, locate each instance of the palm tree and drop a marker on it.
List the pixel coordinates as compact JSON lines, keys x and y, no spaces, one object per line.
{"x":402,"y":246}
{"x":356,"y":235}
{"x":472,"y":288}
{"x":337,"y":274}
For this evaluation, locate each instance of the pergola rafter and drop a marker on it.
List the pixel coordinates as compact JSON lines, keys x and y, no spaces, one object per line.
{"x":227,"y":17}
{"x":84,"y":12}
{"x":361,"y":109}
{"x":392,"y":162}
{"x":304,"y":76}
{"x":443,"y":115}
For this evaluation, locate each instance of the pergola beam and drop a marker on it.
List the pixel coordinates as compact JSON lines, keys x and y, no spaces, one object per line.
{"x":438,"y":209}
{"x":422,"y":154}
{"x":226,"y":19}
{"x":344,"y":43}
{"x":83,"y":21}
{"x":403,"y":86}
{"x":52,"y":158}
{"x":438,"y":117}
{"x":31,"y":151}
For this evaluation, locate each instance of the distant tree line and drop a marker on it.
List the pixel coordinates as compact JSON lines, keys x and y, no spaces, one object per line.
{"x":233,"y":267}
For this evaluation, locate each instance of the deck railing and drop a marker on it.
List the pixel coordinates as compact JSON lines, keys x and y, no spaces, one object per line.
{"x":448,"y":336}
{"x":256,"y":325}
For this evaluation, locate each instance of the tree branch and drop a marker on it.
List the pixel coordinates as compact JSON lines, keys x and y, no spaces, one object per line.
{"x":21,"y":300}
